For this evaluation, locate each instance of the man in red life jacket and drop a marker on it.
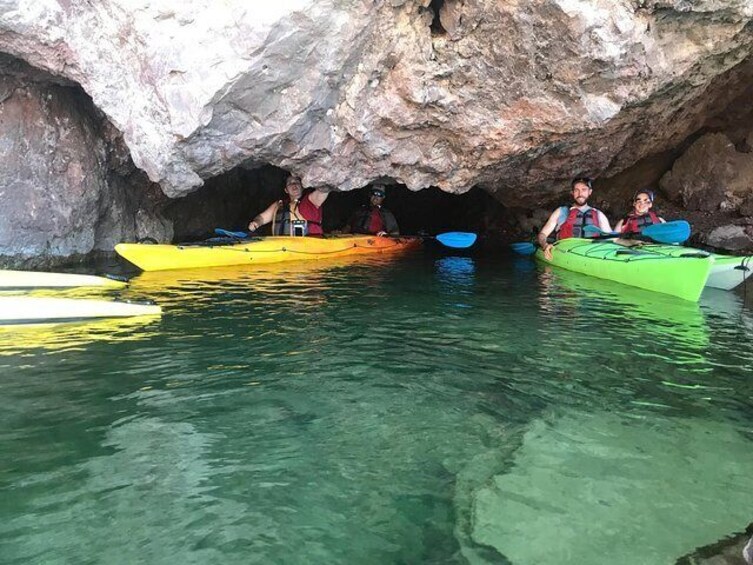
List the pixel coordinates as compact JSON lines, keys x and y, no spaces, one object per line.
{"x":298,"y":213}
{"x":374,"y":218}
{"x":641,"y":215}
{"x":570,"y":222}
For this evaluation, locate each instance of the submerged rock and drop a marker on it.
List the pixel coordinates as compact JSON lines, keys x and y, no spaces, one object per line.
{"x":732,"y":550}
{"x":596,"y":488}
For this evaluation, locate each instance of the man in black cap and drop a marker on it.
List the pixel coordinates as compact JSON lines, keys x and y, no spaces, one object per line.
{"x":373,"y":218}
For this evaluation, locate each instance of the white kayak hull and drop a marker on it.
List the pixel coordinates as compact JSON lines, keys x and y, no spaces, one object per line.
{"x":32,"y":309}
{"x":34,"y":279}
{"x":728,"y":275}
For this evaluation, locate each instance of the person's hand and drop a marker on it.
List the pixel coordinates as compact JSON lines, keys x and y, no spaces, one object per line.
{"x":253,"y":225}
{"x":381,"y":234}
{"x":547,"y":249}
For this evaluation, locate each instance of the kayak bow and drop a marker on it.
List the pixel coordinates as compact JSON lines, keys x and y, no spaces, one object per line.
{"x":727,"y":272}
{"x":34,"y":279}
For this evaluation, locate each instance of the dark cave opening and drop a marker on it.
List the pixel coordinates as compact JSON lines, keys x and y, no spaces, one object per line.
{"x":231,"y":200}
{"x":436,"y":25}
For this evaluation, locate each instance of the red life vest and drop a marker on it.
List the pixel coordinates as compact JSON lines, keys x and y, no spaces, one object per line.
{"x":376,"y":224}
{"x":576,"y":221}
{"x":304,"y":210}
{"x":632,"y":223}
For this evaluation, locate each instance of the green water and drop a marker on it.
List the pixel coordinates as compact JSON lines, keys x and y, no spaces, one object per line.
{"x":437,"y":409}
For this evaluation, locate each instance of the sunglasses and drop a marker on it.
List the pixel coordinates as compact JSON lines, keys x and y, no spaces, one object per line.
{"x":379,"y":194}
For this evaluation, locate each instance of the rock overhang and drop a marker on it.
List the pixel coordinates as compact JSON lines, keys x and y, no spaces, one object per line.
{"x":499,"y":95}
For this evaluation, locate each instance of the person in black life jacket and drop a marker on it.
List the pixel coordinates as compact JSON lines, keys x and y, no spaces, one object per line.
{"x":570,"y":221}
{"x":373,"y":218}
{"x":641,"y":215}
{"x":298,"y":213}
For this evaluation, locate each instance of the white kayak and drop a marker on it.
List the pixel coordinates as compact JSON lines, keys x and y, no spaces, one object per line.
{"x":34,"y":279}
{"x":727,"y":272}
{"x":35,"y":310}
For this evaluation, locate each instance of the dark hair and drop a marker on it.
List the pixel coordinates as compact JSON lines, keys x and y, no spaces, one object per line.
{"x":647,"y":191}
{"x":588,"y":181}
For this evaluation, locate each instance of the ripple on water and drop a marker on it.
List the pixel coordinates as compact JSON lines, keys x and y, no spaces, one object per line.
{"x":383,"y":412}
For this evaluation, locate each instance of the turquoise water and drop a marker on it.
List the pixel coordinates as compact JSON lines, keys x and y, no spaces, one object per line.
{"x":437,"y":409}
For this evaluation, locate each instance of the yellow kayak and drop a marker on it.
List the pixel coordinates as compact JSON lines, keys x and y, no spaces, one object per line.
{"x":262,"y":250}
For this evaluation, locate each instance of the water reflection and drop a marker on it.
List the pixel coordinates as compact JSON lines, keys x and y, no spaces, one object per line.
{"x":663,"y":338}
{"x":59,"y":337}
{"x":523,"y":265}
{"x":300,"y":281}
{"x":456,"y":273}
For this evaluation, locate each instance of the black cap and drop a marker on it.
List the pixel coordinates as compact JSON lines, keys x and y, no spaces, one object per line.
{"x":588,"y":181}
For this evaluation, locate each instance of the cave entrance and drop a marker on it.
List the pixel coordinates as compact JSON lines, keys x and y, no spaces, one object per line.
{"x":232,"y":199}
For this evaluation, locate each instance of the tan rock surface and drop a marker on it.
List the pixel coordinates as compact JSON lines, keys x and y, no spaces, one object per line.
{"x":500,"y":94}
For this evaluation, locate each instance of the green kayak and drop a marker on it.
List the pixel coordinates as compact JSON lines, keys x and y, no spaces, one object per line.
{"x":727,"y":272}
{"x":682,"y":276}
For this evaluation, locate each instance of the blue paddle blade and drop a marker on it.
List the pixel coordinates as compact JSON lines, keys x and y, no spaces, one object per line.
{"x":457,"y":239}
{"x":523,"y":248}
{"x":228,"y":233}
{"x":677,"y":231}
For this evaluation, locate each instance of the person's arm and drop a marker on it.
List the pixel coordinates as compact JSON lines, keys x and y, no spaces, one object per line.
{"x":390,"y":223}
{"x":618,"y":227}
{"x":545,"y":232}
{"x":264,"y":217}
{"x":604,"y":223}
{"x":662,"y":220}
{"x":348,"y":227}
{"x":318,"y":196}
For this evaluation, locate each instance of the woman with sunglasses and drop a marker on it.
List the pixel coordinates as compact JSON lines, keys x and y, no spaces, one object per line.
{"x":641,"y":215}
